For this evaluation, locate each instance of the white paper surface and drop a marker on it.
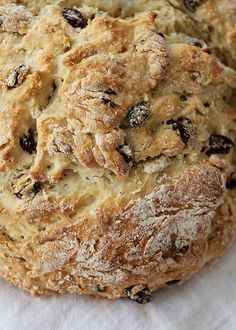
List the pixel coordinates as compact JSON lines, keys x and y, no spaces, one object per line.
{"x":208,"y":301}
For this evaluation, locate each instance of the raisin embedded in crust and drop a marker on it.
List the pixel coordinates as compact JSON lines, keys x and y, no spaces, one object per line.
{"x":173,"y":282}
{"x":218,"y":144}
{"x":126,"y":153}
{"x":36,"y":188}
{"x":183,"y":97}
{"x":100,"y":95}
{"x":161,"y":34}
{"x":17,"y":75}
{"x":31,"y":192}
{"x":138,"y":114}
{"x":23,"y":186}
{"x":231,"y":182}
{"x":74,"y":18}
{"x":100,"y":288}
{"x":206,"y":104}
{"x":28,"y":143}
{"x":108,"y":90}
{"x":184,"y":127}
{"x":141,"y":296}
{"x":191,"y":5}
{"x":107,"y":101}
{"x":200,"y":44}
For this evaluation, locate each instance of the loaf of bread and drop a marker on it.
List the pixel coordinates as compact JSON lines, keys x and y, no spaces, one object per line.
{"x":117,"y":143}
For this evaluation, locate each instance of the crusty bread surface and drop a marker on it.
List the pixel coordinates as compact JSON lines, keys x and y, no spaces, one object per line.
{"x":117,"y":143}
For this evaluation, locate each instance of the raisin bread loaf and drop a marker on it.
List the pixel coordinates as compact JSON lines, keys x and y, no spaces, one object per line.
{"x":117,"y":143}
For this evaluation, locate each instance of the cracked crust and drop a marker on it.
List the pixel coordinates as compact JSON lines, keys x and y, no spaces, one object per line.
{"x":95,"y":100}
{"x":165,"y":236}
{"x":110,"y":184}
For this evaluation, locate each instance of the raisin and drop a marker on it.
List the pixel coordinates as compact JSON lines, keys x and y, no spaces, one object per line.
{"x":176,"y":251}
{"x":183,"y":250}
{"x":107,"y":101}
{"x":108,"y":91}
{"x":22,"y":186}
{"x":198,"y":43}
{"x":126,"y":153}
{"x":36,"y":188}
{"x":161,"y":35}
{"x":142,"y":296}
{"x":172,"y":282}
{"x":183,"y":97}
{"x":218,"y":144}
{"x":138,"y":114}
{"x":18,"y":195}
{"x":100,"y":288}
{"x":28,"y":143}
{"x":75,"y":18}
{"x":184,"y":127}
{"x":17,"y":76}
{"x":207,"y":50}
{"x":100,"y":95}
{"x":231,"y":182}
{"x":206,"y":104}
{"x":191,"y":5}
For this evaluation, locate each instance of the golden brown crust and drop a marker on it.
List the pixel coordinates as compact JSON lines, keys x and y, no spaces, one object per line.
{"x":164,"y":237}
{"x":112,"y":59}
{"x":218,"y":19}
{"x":117,"y":146}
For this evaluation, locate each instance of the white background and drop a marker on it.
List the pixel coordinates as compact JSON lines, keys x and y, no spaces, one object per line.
{"x":208,"y":301}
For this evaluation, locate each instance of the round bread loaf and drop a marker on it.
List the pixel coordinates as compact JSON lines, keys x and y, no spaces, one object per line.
{"x":117,"y":143}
